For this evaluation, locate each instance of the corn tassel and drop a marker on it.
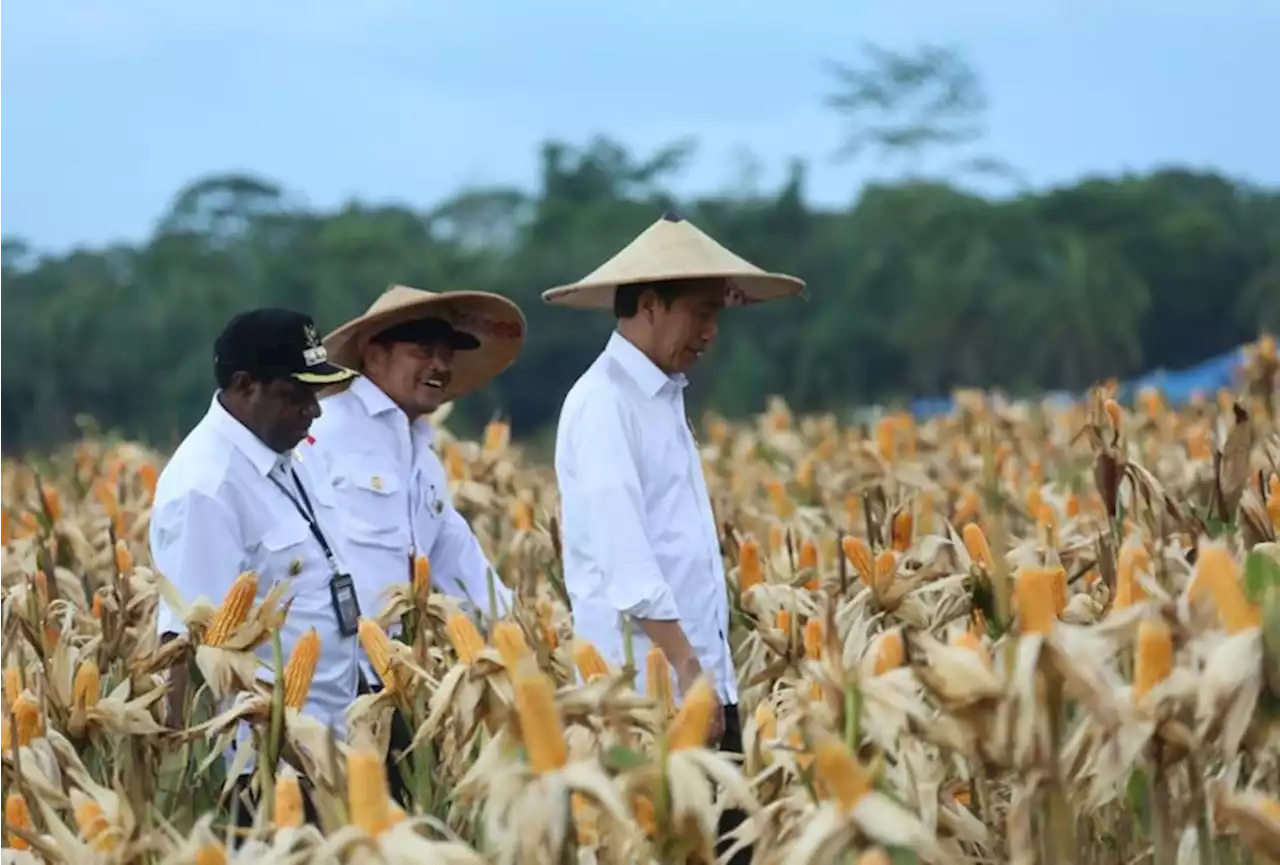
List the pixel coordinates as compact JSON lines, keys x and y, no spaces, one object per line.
{"x":464,"y":637}
{"x":234,"y":609}
{"x":377,"y":645}
{"x":692,"y":723}
{"x":540,"y":723}
{"x":301,"y":669}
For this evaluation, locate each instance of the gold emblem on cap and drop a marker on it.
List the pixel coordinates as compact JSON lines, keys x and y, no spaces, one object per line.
{"x":376,"y":483}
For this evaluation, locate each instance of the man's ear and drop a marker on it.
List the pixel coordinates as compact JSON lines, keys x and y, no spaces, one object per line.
{"x":241,"y":384}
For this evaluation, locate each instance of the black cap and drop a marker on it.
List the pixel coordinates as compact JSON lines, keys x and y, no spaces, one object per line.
{"x":276,"y":343}
{"x":428,"y":331}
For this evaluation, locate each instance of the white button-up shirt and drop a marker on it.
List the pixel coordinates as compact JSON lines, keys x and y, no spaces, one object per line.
{"x":395,"y":499}
{"x":640,"y":538}
{"x":217,"y":513}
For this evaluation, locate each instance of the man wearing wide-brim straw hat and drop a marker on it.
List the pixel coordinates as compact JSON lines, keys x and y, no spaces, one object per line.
{"x":415,"y":351}
{"x":641,"y":548}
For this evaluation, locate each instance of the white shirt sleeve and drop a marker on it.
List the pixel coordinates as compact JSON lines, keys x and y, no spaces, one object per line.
{"x":610,"y":503}
{"x":457,"y":555}
{"x":197,"y":545}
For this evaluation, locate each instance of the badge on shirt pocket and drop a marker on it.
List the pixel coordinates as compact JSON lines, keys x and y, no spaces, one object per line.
{"x":375,"y":483}
{"x":435,"y":503}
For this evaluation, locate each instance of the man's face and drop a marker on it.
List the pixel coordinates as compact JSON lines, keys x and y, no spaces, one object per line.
{"x":687,"y":328}
{"x":414,"y":375}
{"x":280,"y":412}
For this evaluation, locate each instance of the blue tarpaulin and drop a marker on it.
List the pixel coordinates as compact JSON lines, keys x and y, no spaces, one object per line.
{"x":1177,"y":387}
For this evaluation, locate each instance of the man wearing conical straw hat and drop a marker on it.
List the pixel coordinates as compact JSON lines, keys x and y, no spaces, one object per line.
{"x":641,"y":549}
{"x":415,"y":351}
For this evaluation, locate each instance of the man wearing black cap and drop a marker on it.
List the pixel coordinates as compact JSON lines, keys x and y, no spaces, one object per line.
{"x":235,"y":498}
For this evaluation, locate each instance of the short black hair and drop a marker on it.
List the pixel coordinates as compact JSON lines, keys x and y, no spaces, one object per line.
{"x":626,"y":298}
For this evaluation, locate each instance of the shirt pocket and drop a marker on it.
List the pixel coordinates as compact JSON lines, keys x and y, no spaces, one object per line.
{"x":285,"y":554}
{"x":374,"y":495}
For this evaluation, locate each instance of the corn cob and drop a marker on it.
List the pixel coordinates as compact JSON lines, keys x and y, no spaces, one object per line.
{"x":367,"y":797}
{"x":234,"y":609}
{"x":1035,"y":596}
{"x":28,"y":720}
{"x":875,"y":856}
{"x":890,"y":651}
{"x":658,"y":678}
{"x":692,"y":723}
{"x":93,"y":825}
{"x":464,"y":637}
{"x":212,"y":853}
{"x":522,"y":515}
{"x":975,"y":543}
{"x":124,"y":559}
{"x":750,"y":573}
{"x":148,"y":474}
{"x":288,"y":804}
{"x":858,"y":553}
{"x":1154,"y":660}
{"x":885,"y":570}
{"x":589,"y":660}
{"x":1217,"y":575}
{"x":903,"y":524}
{"x":86,"y":688}
{"x":540,"y":724}
{"x":301,"y":669}
{"x":18,"y":815}
{"x":508,"y":639}
{"x":546,"y":623}
{"x":1133,"y":558}
{"x":838,"y":775}
{"x":377,"y":645}
{"x":421,"y":576}
{"x":813,"y":639}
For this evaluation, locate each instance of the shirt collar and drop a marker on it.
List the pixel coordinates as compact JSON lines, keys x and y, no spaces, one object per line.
{"x":263,"y":458}
{"x":642,"y":370}
{"x":376,"y":403}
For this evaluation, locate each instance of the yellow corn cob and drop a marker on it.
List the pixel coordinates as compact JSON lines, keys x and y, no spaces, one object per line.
{"x":971,"y":641}
{"x":858,"y":553}
{"x":1112,"y":408}
{"x":886,"y":568}
{"x":367,"y":798}
{"x":377,"y":645}
{"x":778,"y":498}
{"x":98,"y":604}
{"x":288,"y":804}
{"x":1058,"y":576}
{"x":17,"y":815}
{"x":1035,"y":598}
{"x":1133,"y":558}
{"x":106,"y":496}
{"x":421,"y":576}
{"x":975,"y":543}
{"x":813,"y":639}
{"x":585,"y":822}
{"x":749,"y":571}
{"x":658,"y":678}
{"x":766,"y":722}
{"x":522,"y":515}
{"x":783,"y":621}
{"x":1154,"y":660}
{"x":589,"y":660}
{"x":903,"y":524}
{"x":645,"y":814}
{"x":804,"y":473}
{"x":546,"y":623}
{"x":838,"y":775}
{"x":148,"y":474}
{"x":540,"y":724}
{"x":968,"y":507}
{"x":93,"y":825}
{"x":1273,"y":500}
{"x":464,"y":637}
{"x":1072,"y":506}
{"x":301,"y":669}
{"x":234,"y":609}
{"x":52,"y":503}
{"x":509,"y":640}
{"x":809,"y":561}
{"x":12,"y":685}
{"x":1218,"y":576}
{"x":886,"y":438}
{"x":212,"y":853}
{"x":28,"y":720}
{"x":453,"y":461}
{"x":6,"y":530}
{"x":124,"y":559}
{"x":86,"y":688}
{"x":496,"y":435}
{"x":692,"y":723}
{"x":776,"y":538}
{"x":875,"y":856}
{"x":890,"y":651}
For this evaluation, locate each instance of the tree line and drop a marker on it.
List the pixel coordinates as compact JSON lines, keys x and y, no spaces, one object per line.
{"x":916,"y":287}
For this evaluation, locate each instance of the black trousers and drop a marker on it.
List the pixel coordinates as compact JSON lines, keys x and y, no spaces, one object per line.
{"x":401,"y":739}
{"x":731,"y":818}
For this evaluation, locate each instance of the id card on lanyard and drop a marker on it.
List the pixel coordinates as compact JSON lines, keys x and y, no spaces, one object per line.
{"x":342,"y":590}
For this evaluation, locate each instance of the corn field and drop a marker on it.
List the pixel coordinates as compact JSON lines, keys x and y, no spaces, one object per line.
{"x":1017,"y":633}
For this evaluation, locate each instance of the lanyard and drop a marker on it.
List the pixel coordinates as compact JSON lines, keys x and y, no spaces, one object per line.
{"x":307,"y":514}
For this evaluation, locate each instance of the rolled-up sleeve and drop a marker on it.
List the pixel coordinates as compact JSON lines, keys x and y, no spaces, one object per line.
{"x":456,"y":556}
{"x":196,"y":544}
{"x":610,"y":503}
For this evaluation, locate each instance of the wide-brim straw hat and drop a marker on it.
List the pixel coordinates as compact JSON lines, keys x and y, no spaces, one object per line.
{"x":673,"y":249}
{"x":496,"y":323}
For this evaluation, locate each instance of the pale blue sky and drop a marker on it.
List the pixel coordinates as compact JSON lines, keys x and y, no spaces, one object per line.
{"x":112,"y":106}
